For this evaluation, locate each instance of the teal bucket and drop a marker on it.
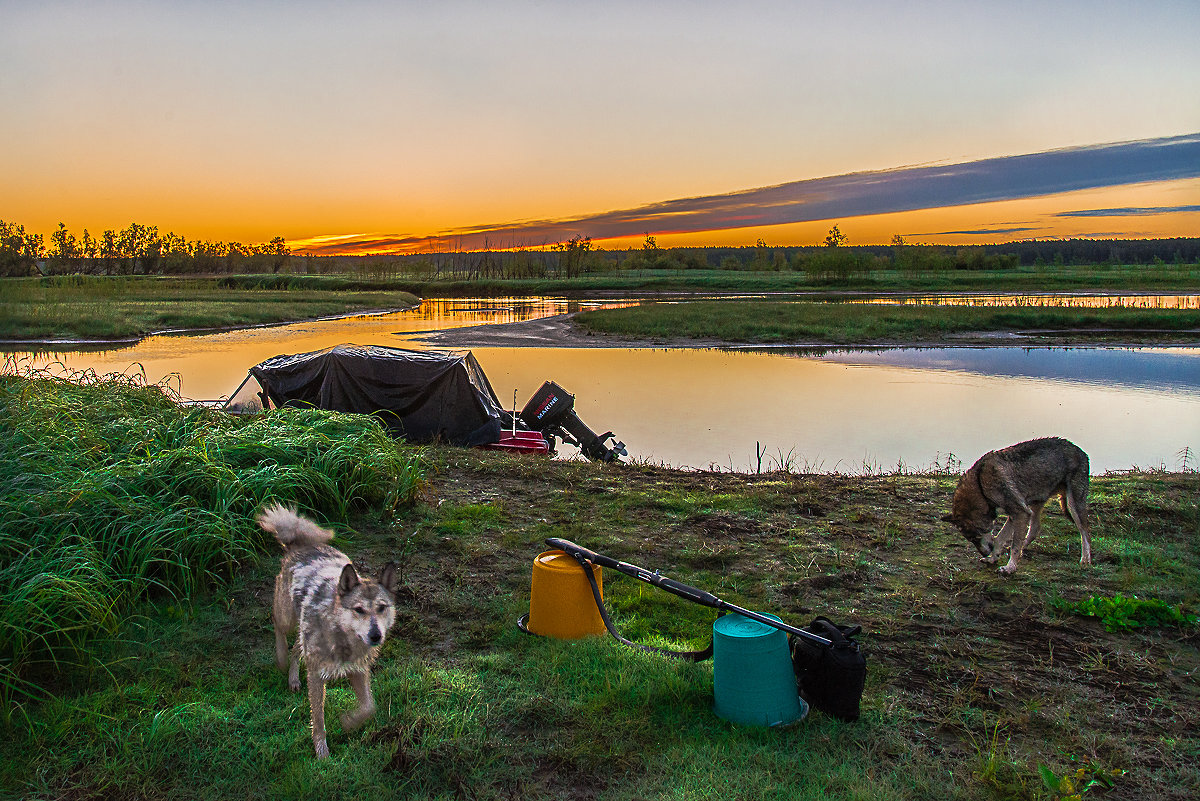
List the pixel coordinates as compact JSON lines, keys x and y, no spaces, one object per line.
{"x":753,"y":680}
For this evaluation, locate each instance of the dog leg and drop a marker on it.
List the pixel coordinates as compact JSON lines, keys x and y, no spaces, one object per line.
{"x":1003,"y":537}
{"x":1077,"y":506}
{"x":1022,"y":521}
{"x":281,"y":650}
{"x":284,"y":618}
{"x":361,"y":682}
{"x":316,"y":702}
{"x":1035,"y":524}
{"x":1018,"y":545}
{"x":294,"y":668}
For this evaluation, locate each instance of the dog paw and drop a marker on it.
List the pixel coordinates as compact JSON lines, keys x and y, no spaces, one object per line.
{"x":294,"y":685}
{"x":352,"y":720}
{"x":1008,"y":570}
{"x":322,"y":749}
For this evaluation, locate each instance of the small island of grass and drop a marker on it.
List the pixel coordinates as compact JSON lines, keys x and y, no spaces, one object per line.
{"x":826,"y":323}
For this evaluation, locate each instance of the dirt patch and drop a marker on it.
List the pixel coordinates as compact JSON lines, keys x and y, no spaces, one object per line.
{"x":724,"y":526}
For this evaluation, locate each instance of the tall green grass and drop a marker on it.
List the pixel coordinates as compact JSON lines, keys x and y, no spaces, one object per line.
{"x":112,"y":492}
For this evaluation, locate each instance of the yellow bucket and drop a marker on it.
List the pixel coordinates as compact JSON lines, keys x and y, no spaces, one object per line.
{"x":560,"y":598}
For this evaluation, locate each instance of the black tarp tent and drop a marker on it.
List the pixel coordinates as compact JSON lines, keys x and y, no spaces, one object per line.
{"x":420,"y":395}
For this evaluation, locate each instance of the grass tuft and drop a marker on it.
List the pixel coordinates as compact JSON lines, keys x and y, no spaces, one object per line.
{"x":111,"y":492}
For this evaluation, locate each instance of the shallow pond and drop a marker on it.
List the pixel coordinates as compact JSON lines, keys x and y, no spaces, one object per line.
{"x":841,"y":411}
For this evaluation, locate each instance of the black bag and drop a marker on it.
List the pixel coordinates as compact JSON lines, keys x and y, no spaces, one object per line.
{"x":830,"y":677}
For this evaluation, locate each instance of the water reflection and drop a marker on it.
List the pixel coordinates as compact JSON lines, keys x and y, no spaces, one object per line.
{"x":439,"y":314}
{"x":712,"y":408}
{"x":845,"y":411}
{"x":1165,"y":369}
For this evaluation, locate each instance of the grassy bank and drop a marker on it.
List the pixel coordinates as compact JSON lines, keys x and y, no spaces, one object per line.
{"x":1064,"y":278}
{"x":90,"y":307}
{"x":979,"y":686}
{"x":112,"y":494}
{"x":857,"y":323}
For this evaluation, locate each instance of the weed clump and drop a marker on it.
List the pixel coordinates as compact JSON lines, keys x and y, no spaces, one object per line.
{"x":1123,"y":613}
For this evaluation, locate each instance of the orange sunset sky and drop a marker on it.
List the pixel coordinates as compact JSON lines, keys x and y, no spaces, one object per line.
{"x":377,"y":127}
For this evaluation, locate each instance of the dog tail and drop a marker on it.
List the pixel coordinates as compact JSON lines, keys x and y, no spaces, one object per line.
{"x":290,"y":528}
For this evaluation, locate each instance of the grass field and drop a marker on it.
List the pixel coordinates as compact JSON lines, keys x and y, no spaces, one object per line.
{"x":89,"y":307}
{"x":860,"y":324}
{"x":979,"y":686}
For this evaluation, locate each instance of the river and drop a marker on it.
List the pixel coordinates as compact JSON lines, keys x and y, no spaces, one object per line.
{"x":849,"y":411}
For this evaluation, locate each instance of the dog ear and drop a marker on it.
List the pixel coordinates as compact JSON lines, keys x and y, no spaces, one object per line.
{"x":387,"y":578}
{"x":947,"y":518}
{"x":348,"y":580}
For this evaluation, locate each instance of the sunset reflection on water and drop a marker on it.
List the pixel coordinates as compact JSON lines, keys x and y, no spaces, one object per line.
{"x":845,"y":411}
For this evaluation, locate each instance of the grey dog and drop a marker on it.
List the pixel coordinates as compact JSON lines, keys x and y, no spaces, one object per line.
{"x":1019,"y":480}
{"x":340,"y":619}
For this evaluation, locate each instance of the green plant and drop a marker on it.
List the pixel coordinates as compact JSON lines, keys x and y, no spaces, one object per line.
{"x":1123,"y":613}
{"x":1072,"y":786}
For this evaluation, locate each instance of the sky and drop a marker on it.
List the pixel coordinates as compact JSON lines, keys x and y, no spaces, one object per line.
{"x":398,"y":127}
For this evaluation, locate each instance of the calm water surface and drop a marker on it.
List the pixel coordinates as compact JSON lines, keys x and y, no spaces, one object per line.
{"x":846,"y":411}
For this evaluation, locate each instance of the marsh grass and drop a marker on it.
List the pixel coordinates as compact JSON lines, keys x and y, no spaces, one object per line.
{"x":773,"y":322}
{"x":1083,"y":277}
{"x":91,"y":307}
{"x":112,"y":493}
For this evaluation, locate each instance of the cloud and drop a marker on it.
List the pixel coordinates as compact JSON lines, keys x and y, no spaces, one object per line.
{"x":1128,"y":211}
{"x":978,"y":232}
{"x":834,"y":197}
{"x":1126,"y":234}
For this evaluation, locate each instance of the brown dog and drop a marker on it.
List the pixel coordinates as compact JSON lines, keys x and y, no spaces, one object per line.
{"x":1019,"y":480}
{"x":341,"y":619}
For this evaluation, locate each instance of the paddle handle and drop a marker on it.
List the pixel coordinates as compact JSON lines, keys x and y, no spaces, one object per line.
{"x":685,"y":591}
{"x":581,"y":553}
{"x":776,"y":624}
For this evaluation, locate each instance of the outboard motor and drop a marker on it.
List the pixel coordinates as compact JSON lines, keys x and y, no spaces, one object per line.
{"x":551,"y":410}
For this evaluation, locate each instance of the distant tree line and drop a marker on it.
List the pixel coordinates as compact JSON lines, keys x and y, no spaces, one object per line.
{"x":832,"y":261}
{"x":142,"y":250}
{"x":135,"y":250}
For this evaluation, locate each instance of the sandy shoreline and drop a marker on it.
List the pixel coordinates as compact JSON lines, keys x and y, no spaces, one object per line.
{"x":557,"y":331}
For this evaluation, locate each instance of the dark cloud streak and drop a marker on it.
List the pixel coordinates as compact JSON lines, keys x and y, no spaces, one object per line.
{"x":841,"y":196}
{"x":979,"y":232}
{"x":1128,"y":211}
